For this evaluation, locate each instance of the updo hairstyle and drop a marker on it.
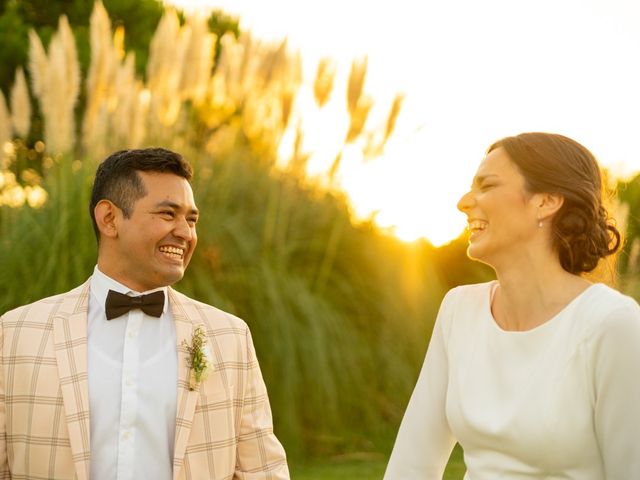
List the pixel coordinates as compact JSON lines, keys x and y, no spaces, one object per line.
{"x":582,"y":230}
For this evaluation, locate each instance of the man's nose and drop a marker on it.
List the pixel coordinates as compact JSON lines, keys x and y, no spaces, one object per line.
{"x":184,"y":230}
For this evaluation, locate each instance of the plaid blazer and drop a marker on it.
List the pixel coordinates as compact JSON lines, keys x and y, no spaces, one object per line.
{"x":223,"y":429}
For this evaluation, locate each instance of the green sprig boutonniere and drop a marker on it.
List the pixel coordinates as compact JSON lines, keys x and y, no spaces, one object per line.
{"x":198,"y":358}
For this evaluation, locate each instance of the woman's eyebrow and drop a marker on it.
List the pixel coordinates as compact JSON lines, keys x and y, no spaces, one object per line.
{"x":478,"y":179}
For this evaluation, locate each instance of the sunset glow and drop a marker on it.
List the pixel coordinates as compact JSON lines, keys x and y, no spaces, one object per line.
{"x":472,"y":72}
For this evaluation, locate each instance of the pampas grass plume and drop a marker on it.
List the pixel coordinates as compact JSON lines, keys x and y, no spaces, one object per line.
{"x":100,"y":79}
{"x":62,"y":89}
{"x":358,"y":118}
{"x":139,"y":116}
{"x":162,"y":53}
{"x":5,"y":124}
{"x":56,"y":84}
{"x":273,"y":64}
{"x":393,"y":115}
{"x":20,"y":105}
{"x":127,"y":89}
{"x":164,"y":69}
{"x":198,"y":58}
{"x":236,"y":64}
{"x":356,"y":83}
{"x":286,"y":105}
{"x":71,"y":64}
{"x":323,"y":84}
{"x":38,"y":63}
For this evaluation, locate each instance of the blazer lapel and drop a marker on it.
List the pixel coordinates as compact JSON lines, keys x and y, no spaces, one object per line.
{"x":70,"y":340}
{"x":186,"y":400}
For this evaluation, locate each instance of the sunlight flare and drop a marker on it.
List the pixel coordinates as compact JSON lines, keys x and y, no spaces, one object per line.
{"x":459,"y":97}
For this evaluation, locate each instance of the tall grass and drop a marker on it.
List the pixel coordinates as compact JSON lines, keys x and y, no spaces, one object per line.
{"x":338,"y":345}
{"x":629,"y":260}
{"x":340,"y":315}
{"x":46,"y":250}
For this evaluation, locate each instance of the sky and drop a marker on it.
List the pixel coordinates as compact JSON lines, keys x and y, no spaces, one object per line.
{"x":472,"y":72}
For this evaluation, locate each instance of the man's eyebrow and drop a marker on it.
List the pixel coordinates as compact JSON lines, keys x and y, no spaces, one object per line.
{"x":175,"y":206}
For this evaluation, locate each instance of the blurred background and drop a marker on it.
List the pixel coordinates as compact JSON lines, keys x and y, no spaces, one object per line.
{"x":330,"y":144}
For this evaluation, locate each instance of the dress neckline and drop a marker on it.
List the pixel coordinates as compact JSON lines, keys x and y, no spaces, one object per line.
{"x":548,"y":324}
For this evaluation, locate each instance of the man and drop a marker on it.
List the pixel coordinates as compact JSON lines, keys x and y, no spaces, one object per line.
{"x":104,"y":383}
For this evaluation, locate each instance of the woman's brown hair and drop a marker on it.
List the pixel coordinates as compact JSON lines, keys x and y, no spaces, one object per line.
{"x":582,"y":230}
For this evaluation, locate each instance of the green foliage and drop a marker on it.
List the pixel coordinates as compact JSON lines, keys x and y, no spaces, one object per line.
{"x":365,"y":468}
{"x":44,"y":251}
{"x":629,"y":258}
{"x":221,"y":23}
{"x":140,"y":18}
{"x":344,"y":470}
{"x":338,"y":313}
{"x":455,"y":267}
{"x":629,"y":194}
{"x":14,"y":41}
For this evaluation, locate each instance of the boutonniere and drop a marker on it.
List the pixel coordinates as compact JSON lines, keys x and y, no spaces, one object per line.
{"x":199,"y":361}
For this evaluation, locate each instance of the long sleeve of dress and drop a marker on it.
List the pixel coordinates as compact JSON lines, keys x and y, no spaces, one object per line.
{"x":424,"y":442}
{"x":561,"y":400}
{"x":615,"y":372}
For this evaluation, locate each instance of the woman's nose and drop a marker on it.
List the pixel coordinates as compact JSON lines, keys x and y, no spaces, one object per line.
{"x":465,"y":202}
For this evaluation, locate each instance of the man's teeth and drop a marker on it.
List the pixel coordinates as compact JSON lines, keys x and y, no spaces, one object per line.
{"x":477,"y":225}
{"x":173,"y":251}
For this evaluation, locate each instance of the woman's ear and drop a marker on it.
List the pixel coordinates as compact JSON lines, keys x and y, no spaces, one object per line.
{"x":549,"y":204}
{"x":106,"y":213}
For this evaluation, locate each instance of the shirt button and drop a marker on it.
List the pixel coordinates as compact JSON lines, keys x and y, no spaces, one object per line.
{"x":129,"y":380}
{"x":126,"y":434}
{"x":131,"y":333}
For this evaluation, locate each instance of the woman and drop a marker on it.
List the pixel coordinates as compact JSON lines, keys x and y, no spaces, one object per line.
{"x":536,"y":374}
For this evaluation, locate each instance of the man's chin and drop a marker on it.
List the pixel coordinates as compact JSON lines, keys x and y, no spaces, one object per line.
{"x":172,"y":278}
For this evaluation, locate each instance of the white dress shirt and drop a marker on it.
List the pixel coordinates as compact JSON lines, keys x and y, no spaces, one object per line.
{"x":133,"y":373}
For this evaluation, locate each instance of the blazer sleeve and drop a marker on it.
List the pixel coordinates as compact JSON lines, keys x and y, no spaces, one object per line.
{"x":425,"y":441}
{"x":615,"y":367}
{"x":4,"y":464}
{"x":259,"y":453}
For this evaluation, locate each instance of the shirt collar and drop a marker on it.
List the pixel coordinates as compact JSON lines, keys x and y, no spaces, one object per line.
{"x":101,"y":284}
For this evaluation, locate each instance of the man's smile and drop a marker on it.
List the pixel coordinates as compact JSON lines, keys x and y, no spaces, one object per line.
{"x":176,"y":253}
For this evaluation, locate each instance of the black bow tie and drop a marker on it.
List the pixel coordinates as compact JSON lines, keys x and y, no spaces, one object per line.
{"x":118,"y":304}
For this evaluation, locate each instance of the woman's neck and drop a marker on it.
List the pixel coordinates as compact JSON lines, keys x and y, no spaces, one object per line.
{"x":531,"y":293}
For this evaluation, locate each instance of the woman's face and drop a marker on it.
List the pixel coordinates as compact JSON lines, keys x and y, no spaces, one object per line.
{"x":502,"y":216}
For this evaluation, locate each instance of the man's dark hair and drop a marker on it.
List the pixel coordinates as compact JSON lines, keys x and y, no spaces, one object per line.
{"x":117,"y":178}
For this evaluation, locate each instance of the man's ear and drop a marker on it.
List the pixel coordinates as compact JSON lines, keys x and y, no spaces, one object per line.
{"x":549,"y":204}
{"x":106,"y":214}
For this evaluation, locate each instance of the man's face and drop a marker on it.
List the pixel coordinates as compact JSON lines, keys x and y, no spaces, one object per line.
{"x":154,"y":245}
